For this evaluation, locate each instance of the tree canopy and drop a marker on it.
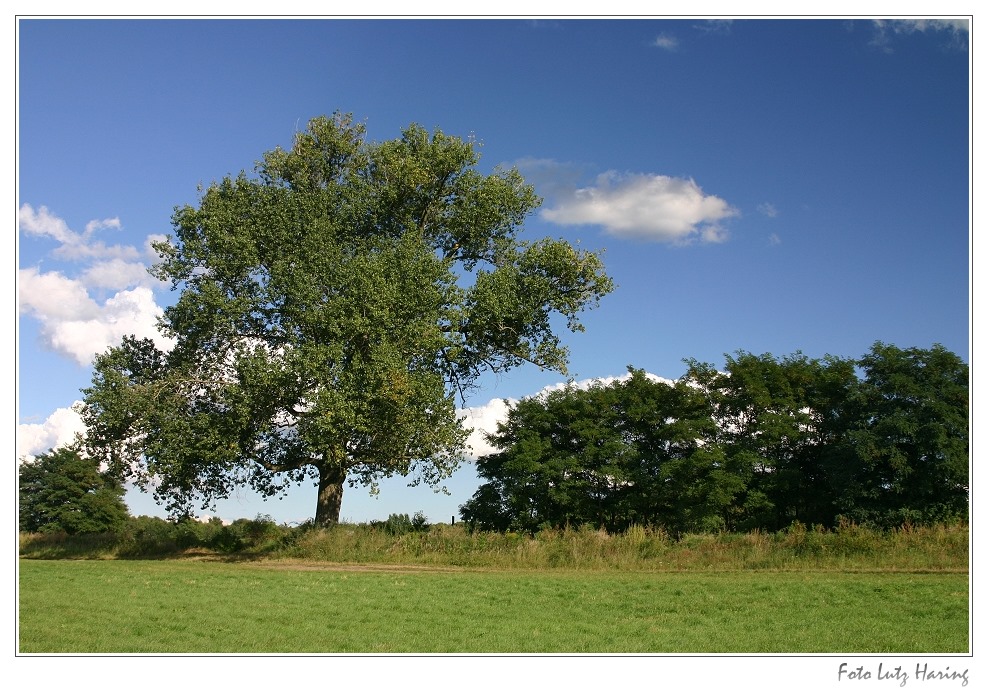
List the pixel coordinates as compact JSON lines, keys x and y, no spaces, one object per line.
{"x":761,"y":444}
{"x":610,"y":455}
{"x":905,"y":451}
{"x":332,"y":308}
{"x":62,"y":491}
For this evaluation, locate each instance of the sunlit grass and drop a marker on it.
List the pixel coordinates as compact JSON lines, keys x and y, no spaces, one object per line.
{"x":208,"y":607}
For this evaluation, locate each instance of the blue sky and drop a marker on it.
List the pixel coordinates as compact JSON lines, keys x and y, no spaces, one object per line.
{"x":765,"y":185}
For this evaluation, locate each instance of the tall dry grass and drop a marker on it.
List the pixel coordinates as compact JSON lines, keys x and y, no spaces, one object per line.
{"x":849,"y":547}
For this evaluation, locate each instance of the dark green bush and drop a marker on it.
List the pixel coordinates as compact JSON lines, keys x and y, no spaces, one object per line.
{"x":147,"y":536}
{"x":402,"y":523}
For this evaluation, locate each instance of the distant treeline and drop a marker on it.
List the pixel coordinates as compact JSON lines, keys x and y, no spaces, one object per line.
{"x":759,"y":445}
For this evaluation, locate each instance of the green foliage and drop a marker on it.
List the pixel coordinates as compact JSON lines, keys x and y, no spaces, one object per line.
{"x":609,"y":456}
{"x":148,"y":536}
{"x":256,"y":535}
{"x":764,"y":444}
{"x":331,"y":309}
{"x":777,"y":418}
{"x":402,"y":523}
{"x":152,"y":537}
{"x":59,"y":545}
{"x":904,"y":458}
{"x":62,"y":491}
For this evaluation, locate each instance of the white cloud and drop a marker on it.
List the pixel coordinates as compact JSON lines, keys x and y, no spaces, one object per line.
{"x":75,"y":325}
{"x":58,"y":429}
{"x":127,"y":312}
{"x":96,"y":250}
{"x":590,"y":382}
{"x":645,"y":206}
{"x":150,"y":253}
{"x":117,"y":273}
{"x":95,"y":225}
{"x":484,"y":420}
{"x":715,"y":26}
{"x":957,"y":31}
{"x":910,"y":26}
{"x":768,"y":210}
{"x":669,"y":43}
{"x":51,"y":297}
{"x":43,"y":223}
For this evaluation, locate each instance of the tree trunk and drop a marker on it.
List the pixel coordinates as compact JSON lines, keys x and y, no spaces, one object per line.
{"x":331,"y":480}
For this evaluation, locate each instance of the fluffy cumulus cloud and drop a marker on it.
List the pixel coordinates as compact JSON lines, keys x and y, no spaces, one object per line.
{"x":57,"y":430}
{"x":116,"y":273}
{"x":75,"y":325}
{"x":44,"y":223}
{"x":53,"y":297}
{"x":645,"y":206}
{"x":485,"y":419}
{"x":98,"y":293}
{"x":72,"y":321}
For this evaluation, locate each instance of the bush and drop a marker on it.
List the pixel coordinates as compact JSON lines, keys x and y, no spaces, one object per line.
{"x":147,"y":536}
{"x":402,"y":523}
{"x":259,"y":534}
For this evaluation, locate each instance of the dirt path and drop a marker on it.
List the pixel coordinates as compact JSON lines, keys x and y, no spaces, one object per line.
{"x":299,"y":565}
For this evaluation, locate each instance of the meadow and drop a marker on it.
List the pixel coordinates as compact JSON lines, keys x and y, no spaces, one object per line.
{"x":360,"y":590}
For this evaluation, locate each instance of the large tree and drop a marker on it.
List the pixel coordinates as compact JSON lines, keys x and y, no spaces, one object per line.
{"x":332,"y":308}
{"x":777,"y":419}
{"x":903,"y":457}
{"x":560,"y":461}
{"x":633,"y":451}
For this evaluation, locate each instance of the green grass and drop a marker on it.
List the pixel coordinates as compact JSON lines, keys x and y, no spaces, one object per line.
{"x":168,"y":606}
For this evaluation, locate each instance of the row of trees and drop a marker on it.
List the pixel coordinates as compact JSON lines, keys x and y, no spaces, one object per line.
{"x":760,"y":444}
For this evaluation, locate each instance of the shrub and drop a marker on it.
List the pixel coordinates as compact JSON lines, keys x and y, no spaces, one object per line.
{"x":402,"y":523}
{"x":147,"y":536}
{"x":261,"y":533}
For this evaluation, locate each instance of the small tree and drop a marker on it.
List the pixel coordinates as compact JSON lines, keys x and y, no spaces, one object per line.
{"x":62,"y":491}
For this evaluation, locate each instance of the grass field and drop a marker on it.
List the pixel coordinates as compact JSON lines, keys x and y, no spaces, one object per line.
{"x":186,"y":606}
